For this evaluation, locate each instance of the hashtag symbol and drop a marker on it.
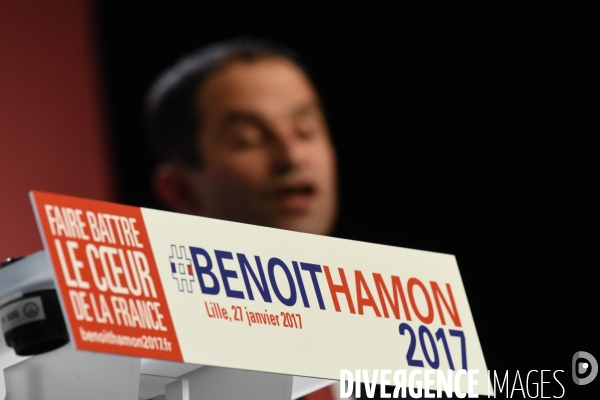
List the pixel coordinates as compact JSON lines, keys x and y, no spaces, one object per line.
{"x":181,"y":268}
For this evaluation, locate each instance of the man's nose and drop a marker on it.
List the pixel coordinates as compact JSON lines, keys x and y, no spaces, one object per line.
{"x":287,"y":152}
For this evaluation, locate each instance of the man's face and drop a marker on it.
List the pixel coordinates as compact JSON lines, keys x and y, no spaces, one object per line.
{"x":267,"y":158}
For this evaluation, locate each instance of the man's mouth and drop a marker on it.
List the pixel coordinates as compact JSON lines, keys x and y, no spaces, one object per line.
{"x":293,"y":198}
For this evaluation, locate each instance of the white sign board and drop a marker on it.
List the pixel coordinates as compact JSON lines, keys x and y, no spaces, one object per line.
{"x":156,"y":284}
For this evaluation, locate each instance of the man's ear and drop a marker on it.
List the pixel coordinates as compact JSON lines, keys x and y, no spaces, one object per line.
{"x":174,"y":186}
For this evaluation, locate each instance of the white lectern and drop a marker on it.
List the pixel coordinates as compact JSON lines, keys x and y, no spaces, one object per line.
{"x":126,"y":302}
{"x":66,"y":373}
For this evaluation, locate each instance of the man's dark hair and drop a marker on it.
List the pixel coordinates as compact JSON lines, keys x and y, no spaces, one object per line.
{"x":172,"y":113}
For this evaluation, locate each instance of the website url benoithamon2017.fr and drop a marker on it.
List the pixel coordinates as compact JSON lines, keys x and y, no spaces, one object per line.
{"x":138,"y":342}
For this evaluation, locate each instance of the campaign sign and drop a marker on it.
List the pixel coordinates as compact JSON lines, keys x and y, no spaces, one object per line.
{"x":156,"y":284}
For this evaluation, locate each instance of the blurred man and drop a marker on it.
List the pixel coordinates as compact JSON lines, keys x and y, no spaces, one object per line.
{"x":241,"y":136}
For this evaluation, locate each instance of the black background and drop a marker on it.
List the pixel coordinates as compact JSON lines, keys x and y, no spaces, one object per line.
{"x":463,"y":131}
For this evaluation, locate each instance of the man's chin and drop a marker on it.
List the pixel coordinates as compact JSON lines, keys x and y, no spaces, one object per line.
{"x":304,"y":223}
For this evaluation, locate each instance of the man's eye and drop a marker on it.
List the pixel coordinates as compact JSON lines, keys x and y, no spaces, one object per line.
{"x":309,"y":127}
{"x":244,"y":138}
{"x":306,"y":133}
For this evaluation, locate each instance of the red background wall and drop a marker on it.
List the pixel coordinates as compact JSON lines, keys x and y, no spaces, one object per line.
{"x":52,"y":135}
